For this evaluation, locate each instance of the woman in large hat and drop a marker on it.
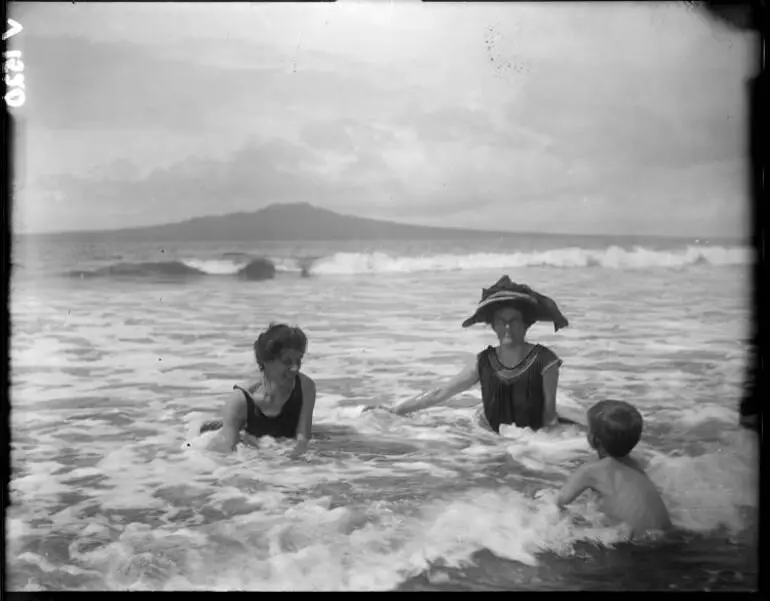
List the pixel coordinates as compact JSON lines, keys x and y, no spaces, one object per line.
{"x":518,"y":379}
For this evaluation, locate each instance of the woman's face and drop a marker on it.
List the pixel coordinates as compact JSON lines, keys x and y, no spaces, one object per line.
{"x":284,"y":368}
{"x":509,"y":326}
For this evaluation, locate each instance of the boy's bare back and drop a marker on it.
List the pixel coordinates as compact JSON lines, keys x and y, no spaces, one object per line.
{"x":628,"y":495}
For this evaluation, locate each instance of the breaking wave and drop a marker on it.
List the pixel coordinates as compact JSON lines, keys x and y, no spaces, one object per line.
{"x":256,"y":269}
{"x":342,"y":263}
{"x":610,"y":258}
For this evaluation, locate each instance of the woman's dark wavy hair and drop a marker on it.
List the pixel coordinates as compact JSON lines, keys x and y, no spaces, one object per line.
{"x":277,"y":338}
{"x":488,"y":312}
{"x":616,"y":427}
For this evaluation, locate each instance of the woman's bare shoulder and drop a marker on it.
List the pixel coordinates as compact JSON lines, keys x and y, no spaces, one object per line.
{"x":235,"y":407}
{"x":306,"y":379}
{"x":250,"y":385}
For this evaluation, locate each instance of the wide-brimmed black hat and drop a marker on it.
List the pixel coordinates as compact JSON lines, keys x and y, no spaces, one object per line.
{"x":537,"y":307}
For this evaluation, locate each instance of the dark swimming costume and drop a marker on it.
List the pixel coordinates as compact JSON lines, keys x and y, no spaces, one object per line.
{"x":514,"y":395}
{"x":283,"y":425}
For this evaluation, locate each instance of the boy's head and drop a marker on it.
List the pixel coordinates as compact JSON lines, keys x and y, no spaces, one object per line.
{"x":614,"y":428}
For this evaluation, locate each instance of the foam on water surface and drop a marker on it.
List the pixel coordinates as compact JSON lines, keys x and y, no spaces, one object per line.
{"x":109,"y":385}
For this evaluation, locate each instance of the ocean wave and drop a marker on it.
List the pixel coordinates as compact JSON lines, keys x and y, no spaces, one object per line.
{"x":612,"y":257}
{"x":255,"y":269}
{"x":261,"y":268}
{"x":213,"y":267}
{"x":300,"y":265}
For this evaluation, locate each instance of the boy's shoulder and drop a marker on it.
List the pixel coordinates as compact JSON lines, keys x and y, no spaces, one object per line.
{"x":608,"y":474}
{"x":591,"y":470}
{"x":601,"y":469}
{"x":600,"y":464}
{"x":621,"y":472}
{"x":624,"y":463}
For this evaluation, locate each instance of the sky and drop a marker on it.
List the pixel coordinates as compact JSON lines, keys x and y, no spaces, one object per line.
{"x":578,"y":117}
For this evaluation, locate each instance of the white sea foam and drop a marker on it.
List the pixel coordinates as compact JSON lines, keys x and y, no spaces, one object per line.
{"x":712,"y":490}
{"x":214,"y":267}
{"x":692,"y":416}
{"x":312,"y":545}
{"x":104,"y":401}
{"x":611,"y":258}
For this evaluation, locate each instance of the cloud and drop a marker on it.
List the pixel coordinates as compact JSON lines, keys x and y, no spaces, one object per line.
{"x":446,"y":113}
{"x":78,"y":84}
{"x":258,"y":174}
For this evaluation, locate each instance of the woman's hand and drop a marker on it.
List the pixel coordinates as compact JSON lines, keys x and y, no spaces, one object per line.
{"x":568,"y":414}
{"x":249,"y":439}
{"x":299,"y":449}
{"x":554,"y":421}
{"x":408,"y":406}
{"x":387,"y":408}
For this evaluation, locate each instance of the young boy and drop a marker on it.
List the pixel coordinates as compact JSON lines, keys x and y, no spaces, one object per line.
{"x":627,"y":494}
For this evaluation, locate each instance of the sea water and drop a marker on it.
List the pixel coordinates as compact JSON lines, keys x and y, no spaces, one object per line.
{"x":119,"y":350}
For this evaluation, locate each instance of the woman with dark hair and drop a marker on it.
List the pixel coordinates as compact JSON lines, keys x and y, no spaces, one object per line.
{"x":278,"y":403}
{"x":518,"y":379}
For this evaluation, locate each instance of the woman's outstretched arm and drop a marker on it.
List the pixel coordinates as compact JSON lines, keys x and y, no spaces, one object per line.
{"x":305,"y":424}
{"x":461,"y":382}
{"x":232,"y":421}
